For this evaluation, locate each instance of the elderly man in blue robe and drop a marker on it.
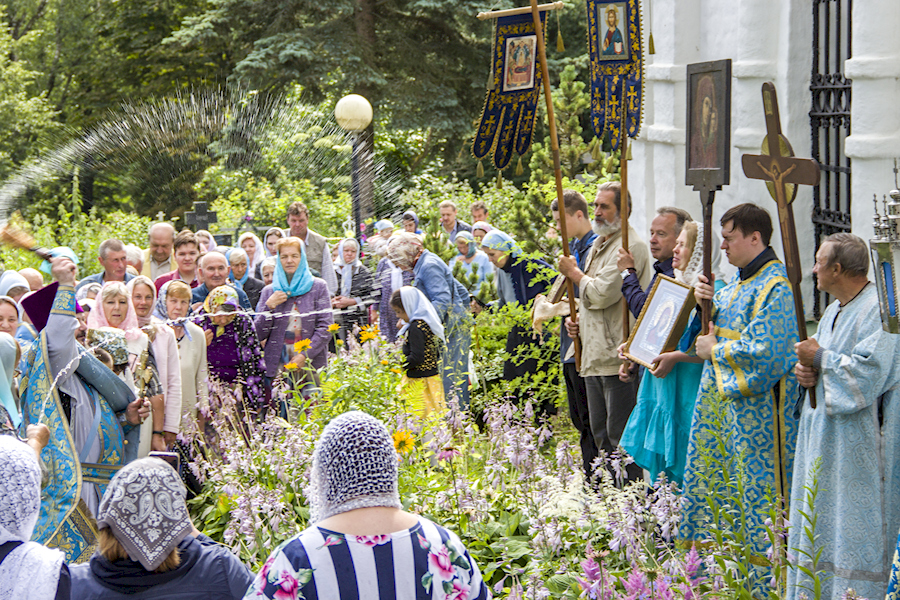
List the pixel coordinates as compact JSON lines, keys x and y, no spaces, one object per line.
{"x":853,"y":365}
{"x":749,"y":354}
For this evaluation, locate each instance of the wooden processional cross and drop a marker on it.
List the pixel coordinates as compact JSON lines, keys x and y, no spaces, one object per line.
{"x":200,"y":217}
{"x":782,"y":173}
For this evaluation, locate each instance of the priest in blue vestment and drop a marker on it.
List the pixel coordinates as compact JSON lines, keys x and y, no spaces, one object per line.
{"x":853,"y":365}
{"x":749,"y":356}
{"x":85,"y":406}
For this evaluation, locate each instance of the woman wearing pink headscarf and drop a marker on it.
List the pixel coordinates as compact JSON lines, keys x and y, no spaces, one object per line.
{"x":114,"y":310}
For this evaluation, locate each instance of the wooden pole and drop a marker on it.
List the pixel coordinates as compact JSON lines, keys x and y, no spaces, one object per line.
{"x":706,"y":305}
{"x":517,"y":11}
{"x":554,"y":150}
{"x":623,"y":211}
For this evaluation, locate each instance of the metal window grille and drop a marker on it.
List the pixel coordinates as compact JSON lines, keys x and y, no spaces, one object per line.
{"x":830,"y":122}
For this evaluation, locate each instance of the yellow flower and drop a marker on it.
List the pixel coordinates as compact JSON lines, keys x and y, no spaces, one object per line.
{"x":290,"y":366}
{"x":384,"y":362}
{"x":333,"y":327}
{"x":367,"y":335}
{"x":403,"y":441}
{"x":396,"y":370}
{"x":338,"y":342}
{"x":302,"y":345}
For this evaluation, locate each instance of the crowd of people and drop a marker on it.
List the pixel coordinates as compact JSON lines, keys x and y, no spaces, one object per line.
{"x":115,"y":365}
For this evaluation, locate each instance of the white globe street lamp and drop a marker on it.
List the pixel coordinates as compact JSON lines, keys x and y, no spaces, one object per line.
{"x":354,"y":113}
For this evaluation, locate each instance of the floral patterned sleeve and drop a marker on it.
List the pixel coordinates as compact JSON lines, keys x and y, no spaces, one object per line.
{"x":279,"y":579}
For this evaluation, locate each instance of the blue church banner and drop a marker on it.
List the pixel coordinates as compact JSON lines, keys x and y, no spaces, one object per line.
{"x":614,"y":42}
{"x":507,"y":119}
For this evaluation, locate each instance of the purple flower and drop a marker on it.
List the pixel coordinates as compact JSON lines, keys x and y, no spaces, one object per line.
{"x":448,"y":454}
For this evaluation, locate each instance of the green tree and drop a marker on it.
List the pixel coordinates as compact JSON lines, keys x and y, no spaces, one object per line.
{"x":26,"y":118}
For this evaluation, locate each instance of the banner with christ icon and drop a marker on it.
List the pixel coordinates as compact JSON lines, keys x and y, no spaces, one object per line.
{"x":510,"y":108}
{"x":614,"y":42}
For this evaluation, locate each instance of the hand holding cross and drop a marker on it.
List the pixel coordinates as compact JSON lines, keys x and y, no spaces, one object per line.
{"x":785,"y":172}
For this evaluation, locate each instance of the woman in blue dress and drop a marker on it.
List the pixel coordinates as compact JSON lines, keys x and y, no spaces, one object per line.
{"x":656,"y":435}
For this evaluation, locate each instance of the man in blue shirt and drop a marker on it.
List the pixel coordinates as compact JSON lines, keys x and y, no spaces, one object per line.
{"x":578,"y":226}
{"x":449,"y":222}
{"x":664,"y":231}
{"x":111,"y":256}
{"x":214,"y":268}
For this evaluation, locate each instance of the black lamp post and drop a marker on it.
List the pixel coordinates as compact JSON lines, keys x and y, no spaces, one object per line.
{"x":354,"y":113}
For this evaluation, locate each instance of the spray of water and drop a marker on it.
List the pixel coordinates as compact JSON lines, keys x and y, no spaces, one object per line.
{"x":265,"y":134}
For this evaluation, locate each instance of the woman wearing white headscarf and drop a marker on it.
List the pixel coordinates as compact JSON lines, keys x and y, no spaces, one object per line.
{"x":14,"y":285}
{"x":253,"y":246}
{"x":273,"y":234}
{"x":378,"y":243}
{"x":355,"y":286}
{"x":656,"y":434}
{"x":28,"y":570}
{"x":361,"y":544}
{"x":149,"y":548}
{"x":421,"y":388}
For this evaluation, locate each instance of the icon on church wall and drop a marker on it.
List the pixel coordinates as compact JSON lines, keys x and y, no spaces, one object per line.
{"x":613,"y":30}
{"x":518,"y":66}
{"x":708,"y":143}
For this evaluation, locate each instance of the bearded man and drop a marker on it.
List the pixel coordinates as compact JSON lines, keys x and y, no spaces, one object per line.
{"x":599,"y":322}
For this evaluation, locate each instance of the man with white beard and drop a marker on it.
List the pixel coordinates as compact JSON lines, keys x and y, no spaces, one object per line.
{"x":599,"y":322}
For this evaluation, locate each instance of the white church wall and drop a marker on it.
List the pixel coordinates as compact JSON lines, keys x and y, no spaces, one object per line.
{"x":874,"y":139}
{"x":767,"y":40}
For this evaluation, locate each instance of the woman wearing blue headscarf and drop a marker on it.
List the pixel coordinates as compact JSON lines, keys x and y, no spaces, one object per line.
{"x":293,"y":308}
{"x":471,"y":259}
{"x":530,"y":277}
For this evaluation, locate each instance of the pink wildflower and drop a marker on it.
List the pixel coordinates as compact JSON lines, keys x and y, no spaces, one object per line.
{"x":448,"y":454}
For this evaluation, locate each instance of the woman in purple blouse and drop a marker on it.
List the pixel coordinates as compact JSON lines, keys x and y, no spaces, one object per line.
{"x":295,"y":314}
{"x":232,"y":349}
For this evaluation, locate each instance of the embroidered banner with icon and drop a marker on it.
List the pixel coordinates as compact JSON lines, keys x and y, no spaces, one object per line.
{"x":507,"y":120}
{"x":614,"y":41}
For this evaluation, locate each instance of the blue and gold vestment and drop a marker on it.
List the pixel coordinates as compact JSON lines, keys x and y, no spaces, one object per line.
{"x":752,"y":367}
{"x":65,"y":522}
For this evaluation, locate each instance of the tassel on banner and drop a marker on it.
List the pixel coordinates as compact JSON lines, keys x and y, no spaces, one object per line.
{"x":560,"y":47}
{"x":520,"y":170}
{"x":479,"y":171}
{"x":596,"y":153}
{"x":651,"y":49}
{"x":499,"y":180}
{"x":628,"y":155}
